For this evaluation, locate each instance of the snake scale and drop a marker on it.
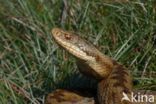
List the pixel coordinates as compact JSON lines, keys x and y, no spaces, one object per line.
{"x":113,"y":78}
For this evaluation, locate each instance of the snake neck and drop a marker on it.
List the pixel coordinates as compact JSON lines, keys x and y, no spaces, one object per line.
{"x":111,"y":89}
{"x":99,"y":69}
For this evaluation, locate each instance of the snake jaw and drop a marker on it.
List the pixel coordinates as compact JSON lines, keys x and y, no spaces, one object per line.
{"x":66,"y":40}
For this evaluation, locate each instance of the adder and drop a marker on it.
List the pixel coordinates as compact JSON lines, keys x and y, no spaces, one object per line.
{"x":114,"y":80}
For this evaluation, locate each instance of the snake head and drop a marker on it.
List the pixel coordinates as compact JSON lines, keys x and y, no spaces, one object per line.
{"x":75,"y":45}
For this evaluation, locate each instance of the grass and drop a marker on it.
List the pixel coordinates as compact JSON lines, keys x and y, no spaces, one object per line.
{"x":32,"y":65}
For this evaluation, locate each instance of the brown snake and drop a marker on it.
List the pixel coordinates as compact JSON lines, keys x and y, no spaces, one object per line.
{"x":114,"y":79}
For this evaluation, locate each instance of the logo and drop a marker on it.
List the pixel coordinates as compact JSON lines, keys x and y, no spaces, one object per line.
{"x":137,"y":97}
{"x":125,"y":97}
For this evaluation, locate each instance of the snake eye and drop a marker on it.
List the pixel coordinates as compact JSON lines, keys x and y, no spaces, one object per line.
{"x":67,"y":36}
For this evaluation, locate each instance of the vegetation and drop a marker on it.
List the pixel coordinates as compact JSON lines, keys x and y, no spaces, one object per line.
{"x":32,"y":65}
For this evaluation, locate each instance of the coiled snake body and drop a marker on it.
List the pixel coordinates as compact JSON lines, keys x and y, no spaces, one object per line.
{"x":114,"y":79}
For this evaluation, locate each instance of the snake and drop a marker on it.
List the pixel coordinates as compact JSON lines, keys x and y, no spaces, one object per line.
{"x":114,"y":79}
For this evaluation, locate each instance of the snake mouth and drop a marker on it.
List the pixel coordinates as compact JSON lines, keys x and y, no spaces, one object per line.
{"x":76,"y":51}
{"x":67,"y":42}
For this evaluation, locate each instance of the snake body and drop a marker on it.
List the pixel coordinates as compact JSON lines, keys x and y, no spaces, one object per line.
{"x":113,"y":78}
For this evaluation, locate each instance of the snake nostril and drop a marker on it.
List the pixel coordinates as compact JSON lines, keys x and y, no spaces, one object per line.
{"x":55,"y":31}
